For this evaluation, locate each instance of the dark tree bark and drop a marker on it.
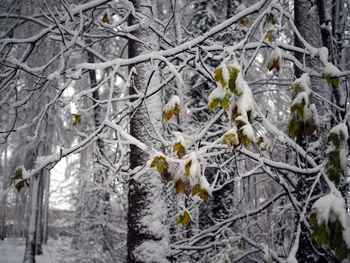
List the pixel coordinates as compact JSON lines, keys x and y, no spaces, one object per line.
{"x":311,"y":32}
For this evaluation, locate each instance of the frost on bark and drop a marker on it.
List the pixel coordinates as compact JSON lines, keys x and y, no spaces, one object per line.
{"x":147,"y":238}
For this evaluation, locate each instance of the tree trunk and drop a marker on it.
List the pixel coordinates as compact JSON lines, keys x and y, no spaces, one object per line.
{"x":39,"y":226}
{"x":29,"y":254}
{"x":147,"y":238}
{"x":46,"y":207}
{"x":3,"y":199}
{"x":310,"y":31}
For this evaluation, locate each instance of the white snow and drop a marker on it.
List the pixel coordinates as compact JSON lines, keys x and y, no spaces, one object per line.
{"x":245,"y":102}
{"x":304,"y":83}
{"x":340,"y":128}
{"x":175,"y":100}
{"x":225,"y":73}
{"x":248,"y":131}
{"x":178,"y":138}
{"x":12,"y":251}
{"x":329,"y":68}
{"x":152,"y":251}
{"x":205,"y":185}
{"x":195,"y":170}
{"x":331,"y":207}
{"x":217,"y":93}
{"x":299,"y":99}
{"x":275,"y":55}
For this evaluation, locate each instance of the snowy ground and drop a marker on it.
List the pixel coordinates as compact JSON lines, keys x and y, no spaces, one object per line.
{"x":12,"y":251}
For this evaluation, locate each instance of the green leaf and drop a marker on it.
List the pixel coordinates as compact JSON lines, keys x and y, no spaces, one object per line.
{"x":334,"y":176}
{"x":271,"y":19}
{"x":296,"y":90}
{"x":18,"y":176}
{"x":341,"y":252}
{"x":320,"y":234}
{"x":77,"y":119}
{"x":334,"y":159}
{"x":232,"y":81}
{"x":293,"y":128}
{"x":241,"y":244}
{"x":179,"y":220}
{"x":299,"y":109}
{"x":331,"y":80}
{"x":334,"y":138}
{"x":313,"y":219}
{"x":214,"y":104}
{"x":225,"y":101}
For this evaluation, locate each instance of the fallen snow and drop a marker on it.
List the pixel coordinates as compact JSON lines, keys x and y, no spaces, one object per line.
{"x":12,"y":251}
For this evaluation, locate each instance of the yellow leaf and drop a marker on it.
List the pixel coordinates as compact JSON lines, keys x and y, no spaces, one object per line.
{"x":160,"y":163}
{"x":244,"y":139}
{"x":196,"y":189}
{"x":204,"y":194}
{"x":225,"y":101}
{"x":218,"y":77}
{"x":105,"y":18}
{"x":273,"y":63}
{"x":186,"y":220}
{"x":230,"y":139}
{"x":188,"y":167}
{"x":77,"y":119}
{"x":179,"y":185}
{"x":269,"y":36}
{"x":179,"y":149}
{"x":244,"y":21}
{"x":239,"y":122}
{"x":169,"y":114}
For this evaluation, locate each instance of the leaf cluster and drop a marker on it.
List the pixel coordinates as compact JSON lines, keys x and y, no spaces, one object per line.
{"x":331,"y":235}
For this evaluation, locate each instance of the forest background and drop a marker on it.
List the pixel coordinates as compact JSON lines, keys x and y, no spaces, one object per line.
{"x":192,"y":131}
